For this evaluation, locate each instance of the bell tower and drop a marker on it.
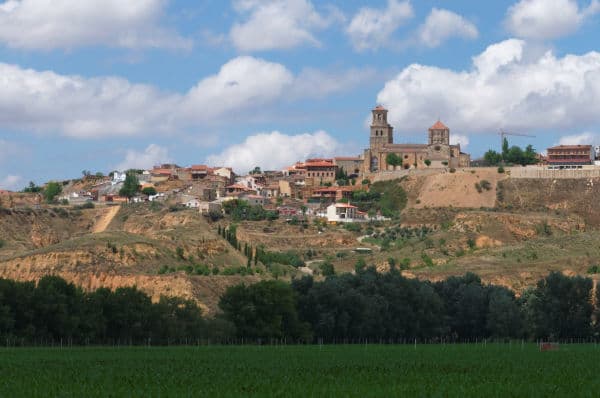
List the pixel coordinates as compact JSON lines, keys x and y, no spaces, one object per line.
{"x":381,"y":131}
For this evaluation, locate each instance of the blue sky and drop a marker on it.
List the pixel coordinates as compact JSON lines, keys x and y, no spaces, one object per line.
{"x":111,"y":84}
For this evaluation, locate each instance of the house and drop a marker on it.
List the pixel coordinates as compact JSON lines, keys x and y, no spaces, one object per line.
{"x":118,"y":177}
{"x":210,"y":207}
{"x":237,"y":189}
{"x":570,"y":156}
{"x":343,"y":212}
{"x":226,"y":172}
{"x":319,"y":171}
{"x":193,"y":203}
{"x":254,"y":200}
{"x":199,"y":171}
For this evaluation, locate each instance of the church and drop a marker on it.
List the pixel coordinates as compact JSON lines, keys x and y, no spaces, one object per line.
{"x":437,"y":153}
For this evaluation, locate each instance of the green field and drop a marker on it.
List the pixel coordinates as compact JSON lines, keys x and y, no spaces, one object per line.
{"x":359,"y":371}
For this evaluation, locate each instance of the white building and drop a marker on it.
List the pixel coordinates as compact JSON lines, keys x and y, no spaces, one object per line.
{"x":343,"y":212}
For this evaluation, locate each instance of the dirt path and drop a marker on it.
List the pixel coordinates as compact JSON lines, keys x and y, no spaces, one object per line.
{"x":105,"y":220}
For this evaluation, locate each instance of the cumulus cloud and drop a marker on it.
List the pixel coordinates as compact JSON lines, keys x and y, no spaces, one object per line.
{"x":152,"y":155}
{"x":371,"y":28}
{"x":276,"y":24}
{"x":463,"y":140}
{"x":543,"y":19}
{"x":505,"y":88}
{"x":585,"y":138}
{"x":274,"y":150}
{"x":10,"y":182}
{"x":75,"y":106}
{"x":67,"y":24}
{"x":442,"y":25}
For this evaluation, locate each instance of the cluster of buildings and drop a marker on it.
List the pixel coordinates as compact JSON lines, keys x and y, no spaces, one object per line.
{"x":312,"y":186}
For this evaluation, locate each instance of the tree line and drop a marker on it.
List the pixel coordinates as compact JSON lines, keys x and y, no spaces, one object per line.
{"x":365,"y":306}
{"x":389,"y":307}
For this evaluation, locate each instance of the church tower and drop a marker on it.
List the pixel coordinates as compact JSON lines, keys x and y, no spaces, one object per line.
{"x":381,"y":131}
{"x":439,"y":133}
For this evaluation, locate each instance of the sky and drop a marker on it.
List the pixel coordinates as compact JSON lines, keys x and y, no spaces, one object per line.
{"x":101,"y":85}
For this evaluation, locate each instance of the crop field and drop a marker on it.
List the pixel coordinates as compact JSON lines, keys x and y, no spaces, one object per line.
{"x":497,"y":370}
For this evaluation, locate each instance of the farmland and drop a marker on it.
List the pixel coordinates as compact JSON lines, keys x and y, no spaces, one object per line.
{"x":357,"y":370}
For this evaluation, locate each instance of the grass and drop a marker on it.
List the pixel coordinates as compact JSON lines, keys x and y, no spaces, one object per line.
{"x":476,"y":370}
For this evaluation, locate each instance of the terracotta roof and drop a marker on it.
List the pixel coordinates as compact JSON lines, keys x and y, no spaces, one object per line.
{"x":379,"y":108}
{"x":201,"y":167}
{"x":438,"y":126}
{"x":571,"y":147}
{"x":319,"y":164}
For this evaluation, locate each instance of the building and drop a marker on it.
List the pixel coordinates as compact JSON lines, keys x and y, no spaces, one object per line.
{"x":437,"y":153}
{"x":569,"y":156}
{"x":343,"y":212}
{"x":352,"y":165}
{"x":320,"y":171}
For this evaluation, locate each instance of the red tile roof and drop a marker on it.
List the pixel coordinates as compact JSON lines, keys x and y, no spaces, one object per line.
{"x":379,"y":108}
{"x":199,"y":167}
{"x":438,"y":126}
{"x":162,"y":171}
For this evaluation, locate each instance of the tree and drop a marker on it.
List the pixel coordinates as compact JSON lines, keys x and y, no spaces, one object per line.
{"x":256,"y":170}
{"x":130,"y":186}
{"x":263,"y":310}
{"x":51,"y":191}
{"x":393,"y":160}
{"x":149,"y":191}
{"x":427,"y":162}
{"x":32,"y":188}
{"x":492,"y":158}
{"x":505,"y":149}
{"x":560,"y":307}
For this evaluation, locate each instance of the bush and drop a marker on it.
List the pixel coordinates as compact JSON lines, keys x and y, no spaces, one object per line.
{"x":427,"y":162}
{"x":2,"y":243}
{"x":179,"y":252}
{"x":500,"y":169}
{"x":594,"y":269}
{"x":485,"y":184}
{"x":452,"y":170}
{"x":353,"y":226}
{"x":427,"y":261}
{"x":326,"y":268}
{"x":471,"y":243}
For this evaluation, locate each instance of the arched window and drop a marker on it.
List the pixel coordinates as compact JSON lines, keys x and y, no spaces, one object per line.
{"x":374,"y":163}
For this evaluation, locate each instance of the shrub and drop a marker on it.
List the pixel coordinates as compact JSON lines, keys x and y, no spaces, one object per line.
{"x":179,"y":252}
{"x":427,"y":162}
{"x":452,"y":170}
{"x":366,"y":181}
{"x":405,"y":263}
{"x":326,"y":268}
{"x":594,"y":269}
{"x":427,"y":261}
{"x":478,"y":187}
{"x":485,"y":184}
{"x":353,"y":226}
{"x":2,"y":243}
{"x":471,"y":243}
{"x":500,"y":169}
{"x":360,"y":265}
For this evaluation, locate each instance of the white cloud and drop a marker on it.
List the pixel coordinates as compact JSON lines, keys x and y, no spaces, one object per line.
{"x":242,"y":83}
{"x":505,"y":88}
{"x":274,"y":150}
{"x":371,"y":28}
{"x":463,"y":140}
{"x":585,"y":138}
{"x":152,"y":155}
{"x":67,"y":24}
{"x":109,"y":106}
{"x":547,"y":19}
{"x":10,"y":182}
{"x":442,"y":25}
{"x":276,"y":24}
{"x":8,"y":149}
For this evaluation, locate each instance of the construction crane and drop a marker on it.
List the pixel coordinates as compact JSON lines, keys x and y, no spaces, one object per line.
{"x":503,"y":134}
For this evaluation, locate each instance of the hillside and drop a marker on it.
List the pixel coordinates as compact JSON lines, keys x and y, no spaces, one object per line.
{"x":513,"y":233}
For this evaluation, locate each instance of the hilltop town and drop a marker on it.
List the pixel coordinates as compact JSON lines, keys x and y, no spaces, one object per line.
{"x":427,"y":209}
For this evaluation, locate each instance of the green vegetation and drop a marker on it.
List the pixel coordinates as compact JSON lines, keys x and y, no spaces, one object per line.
{"x":149,"y":191}
{"x":388,"y":197}
{"x":369,"y":370}
{"x":32,"y":188}
{"x":52,"y":190}
{"x":393,"y":160}
{"x":242,"y":210}
{"x":130,"y":186}
{"x":512,"y":155}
